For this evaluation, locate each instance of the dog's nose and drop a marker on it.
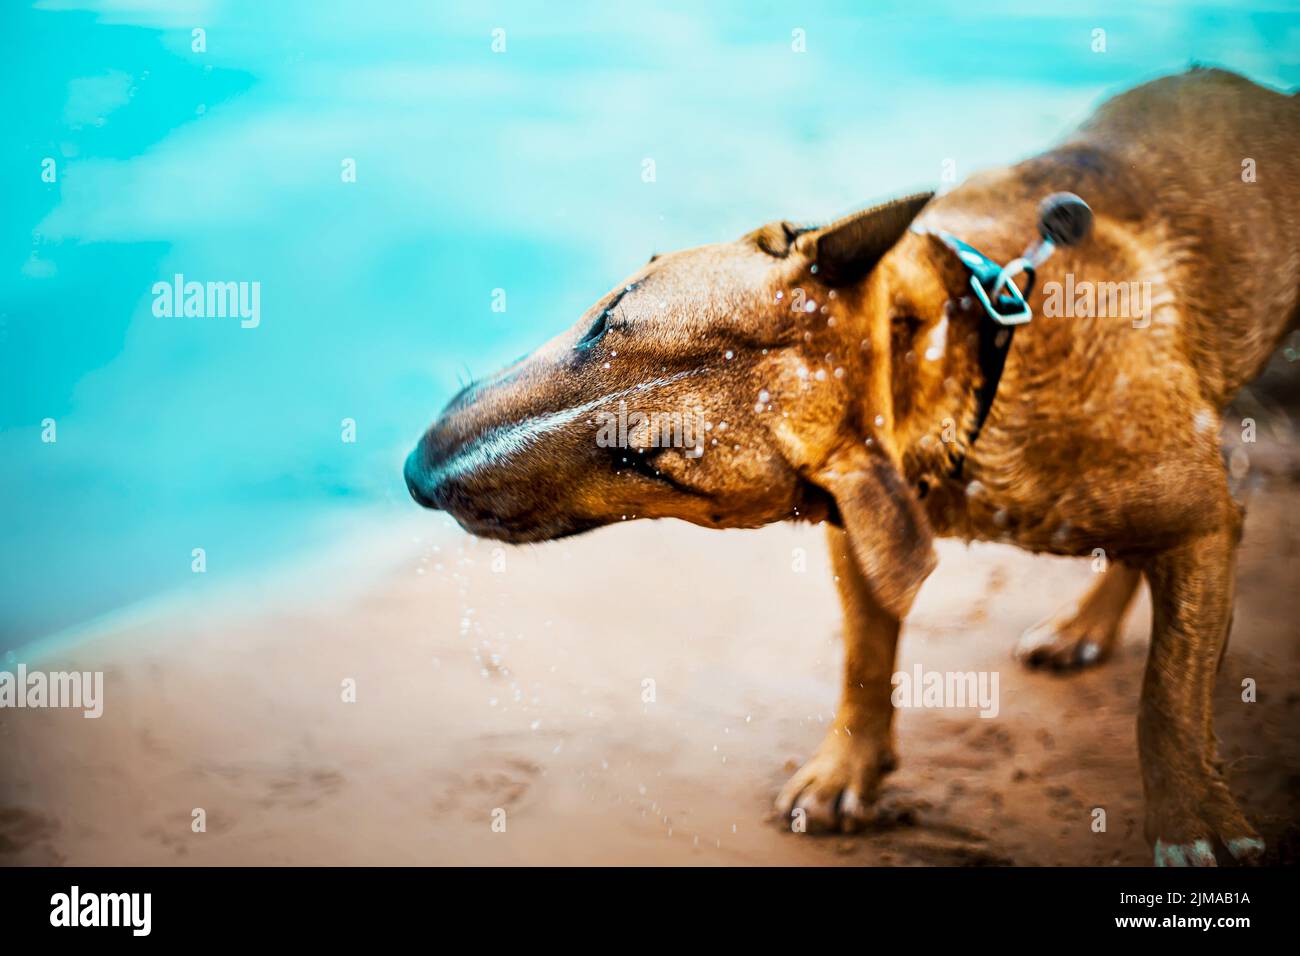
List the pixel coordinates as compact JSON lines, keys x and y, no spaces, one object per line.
{"x":418,"y":482}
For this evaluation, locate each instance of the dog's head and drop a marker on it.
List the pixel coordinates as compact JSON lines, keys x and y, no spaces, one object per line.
{"x":730,"y":385}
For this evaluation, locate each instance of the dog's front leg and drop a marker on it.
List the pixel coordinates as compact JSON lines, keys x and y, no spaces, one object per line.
{"x":836,"y":787}
{"x":1189,"y":807}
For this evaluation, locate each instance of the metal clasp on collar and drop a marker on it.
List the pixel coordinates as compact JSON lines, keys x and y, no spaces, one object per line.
{"x":989,"y":280}
{"x":1063,"y":220}
{"x":1012,"y":300}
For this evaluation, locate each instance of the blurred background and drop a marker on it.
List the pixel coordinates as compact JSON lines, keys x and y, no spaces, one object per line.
{"x":522,"y":169}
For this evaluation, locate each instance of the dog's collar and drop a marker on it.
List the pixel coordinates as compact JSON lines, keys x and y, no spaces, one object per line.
{"x":1003,"y":307}
{"x":1001,"y":299}
{"x":1063,"y":219}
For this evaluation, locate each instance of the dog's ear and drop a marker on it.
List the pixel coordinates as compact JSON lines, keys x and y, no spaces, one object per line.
{"x":846,"y":250}
{"x":776,"y":238}
{"x":886,"y":526}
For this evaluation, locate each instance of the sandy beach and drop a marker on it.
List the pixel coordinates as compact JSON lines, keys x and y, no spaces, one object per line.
{"x":510,"y":685}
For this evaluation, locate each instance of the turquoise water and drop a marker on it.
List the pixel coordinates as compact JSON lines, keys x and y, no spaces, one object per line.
{"x":476,"y":170}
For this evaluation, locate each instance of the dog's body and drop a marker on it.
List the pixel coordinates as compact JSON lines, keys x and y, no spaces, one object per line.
{"x":844,"y":361}
{"x":1163,"y":165}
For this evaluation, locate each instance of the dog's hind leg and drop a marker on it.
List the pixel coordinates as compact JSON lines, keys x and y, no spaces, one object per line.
{"x":1084,"y":633}
{"x":836,"y":787}
{"x":1188,"y":804}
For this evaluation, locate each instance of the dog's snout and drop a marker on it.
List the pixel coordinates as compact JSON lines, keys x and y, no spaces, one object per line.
{"x":419,"y":481}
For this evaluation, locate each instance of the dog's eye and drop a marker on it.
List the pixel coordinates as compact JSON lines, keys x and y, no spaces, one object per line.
{"x":597,"y":329}
{"x":601,"y":325}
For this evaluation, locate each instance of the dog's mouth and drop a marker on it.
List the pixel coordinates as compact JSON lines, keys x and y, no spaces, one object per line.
{"x":814,"y":504}
{"x":547,"y":520}
{"x":515,"y":531}
{"x":643,"y":465}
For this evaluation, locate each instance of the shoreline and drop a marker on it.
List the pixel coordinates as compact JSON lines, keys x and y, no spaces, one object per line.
{"x":368,"y":528}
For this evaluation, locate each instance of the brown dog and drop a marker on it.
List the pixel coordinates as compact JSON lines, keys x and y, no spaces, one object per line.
{"x":839,"y":371}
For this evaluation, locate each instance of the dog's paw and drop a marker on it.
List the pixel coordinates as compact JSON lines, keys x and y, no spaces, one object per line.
{"x":1196,"y":853}
{"x":835,"y":789}
{"x":1248,"y":849}
{"x":1187,"y":831}
{"x":1245,"y":850}
{"x":1062,"y":645}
